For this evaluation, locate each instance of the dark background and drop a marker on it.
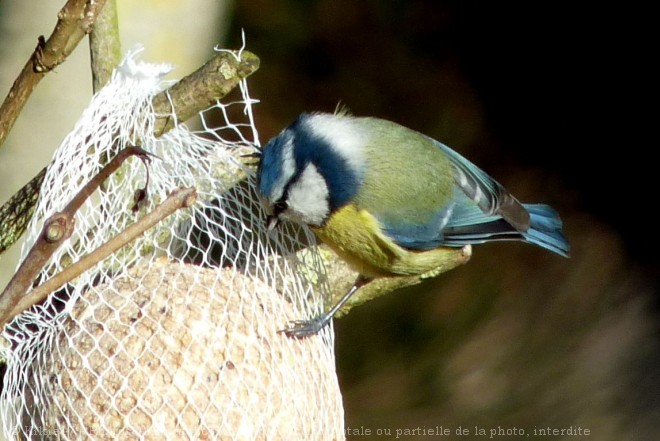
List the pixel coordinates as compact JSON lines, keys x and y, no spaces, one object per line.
{"x":552,"y":100}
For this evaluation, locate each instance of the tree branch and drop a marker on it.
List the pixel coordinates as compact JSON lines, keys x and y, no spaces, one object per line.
{"x":75,"y":20}
{"x":55,"y":231}
{"x":202,"y":88}
{"x":179,"y":198}
{"x":104,"y":45}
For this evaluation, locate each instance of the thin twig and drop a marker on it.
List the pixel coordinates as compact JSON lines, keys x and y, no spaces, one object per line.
{"x":180,"y":198}
{"x":74,"y":22}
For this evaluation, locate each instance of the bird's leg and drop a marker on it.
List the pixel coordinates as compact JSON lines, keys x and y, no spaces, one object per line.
{"x":305,"y":328}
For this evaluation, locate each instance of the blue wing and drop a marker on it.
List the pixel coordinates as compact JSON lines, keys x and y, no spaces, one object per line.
{"x":418,"y":236}
{"x":481,"y":210}
{"x":484,"y":192}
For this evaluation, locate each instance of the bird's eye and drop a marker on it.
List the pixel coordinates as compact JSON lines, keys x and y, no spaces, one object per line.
{"x":279,"y":207}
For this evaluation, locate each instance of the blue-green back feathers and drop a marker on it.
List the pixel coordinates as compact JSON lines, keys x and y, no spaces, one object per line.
{"x":426,"y":195}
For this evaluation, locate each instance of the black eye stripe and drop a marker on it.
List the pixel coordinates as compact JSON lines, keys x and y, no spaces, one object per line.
{"x":279,"y":207}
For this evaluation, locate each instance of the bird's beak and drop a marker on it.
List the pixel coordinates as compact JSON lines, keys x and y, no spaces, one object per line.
{"x":271,"y":223}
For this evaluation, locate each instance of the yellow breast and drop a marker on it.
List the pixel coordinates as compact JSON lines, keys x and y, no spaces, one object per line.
{"x":356,"y":237}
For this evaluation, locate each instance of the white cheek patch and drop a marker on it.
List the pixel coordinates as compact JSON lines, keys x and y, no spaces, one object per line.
{"x":308,"y":197}
{"x":343,"y":135}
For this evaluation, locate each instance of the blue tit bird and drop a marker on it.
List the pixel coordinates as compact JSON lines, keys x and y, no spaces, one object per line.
{"x":385,"y":198}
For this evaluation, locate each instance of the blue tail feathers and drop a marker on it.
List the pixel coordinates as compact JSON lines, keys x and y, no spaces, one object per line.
{"x":472,"y":226}
{"x":545,"y":229}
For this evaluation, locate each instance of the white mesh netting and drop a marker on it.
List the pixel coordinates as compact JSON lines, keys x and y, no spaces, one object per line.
{"x":174,"y":336}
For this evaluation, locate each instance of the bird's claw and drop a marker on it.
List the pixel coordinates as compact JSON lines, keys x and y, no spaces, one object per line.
{"x":306,"y":328}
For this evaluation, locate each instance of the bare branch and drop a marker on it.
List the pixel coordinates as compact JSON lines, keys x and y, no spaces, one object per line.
{"x":180,"y":198}
{"x":74,"y":22}
{"x":202,"y":88}
{"x":56,"y":230}
{"x":104,"y":45}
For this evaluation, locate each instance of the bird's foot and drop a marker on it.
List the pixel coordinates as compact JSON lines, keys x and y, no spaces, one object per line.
{"x":305,"y":328}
